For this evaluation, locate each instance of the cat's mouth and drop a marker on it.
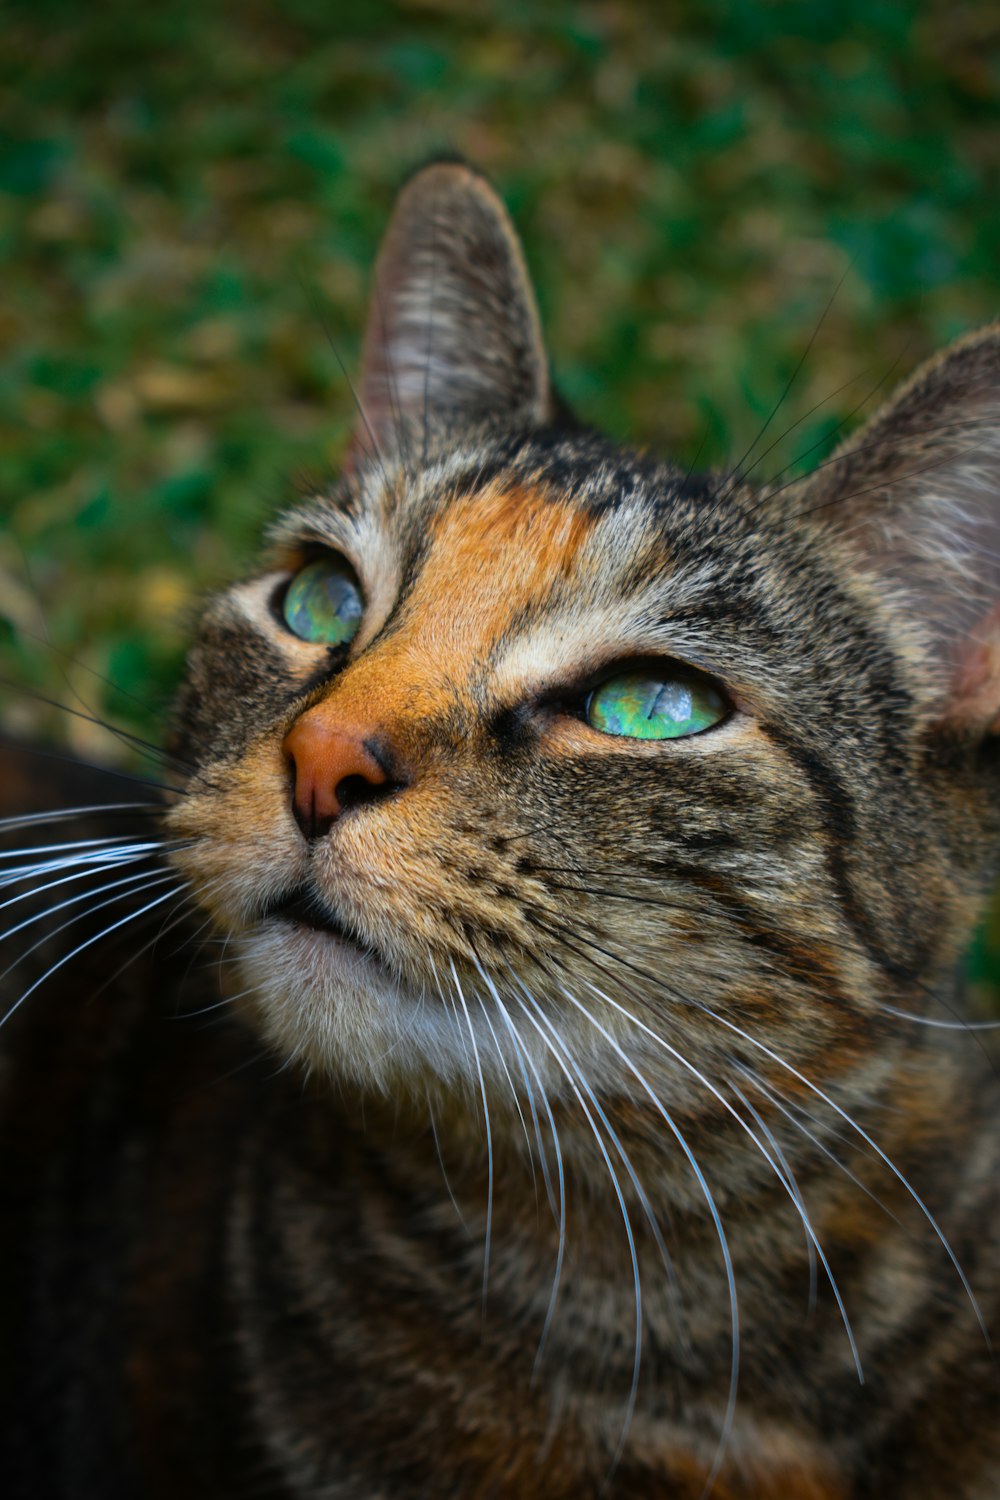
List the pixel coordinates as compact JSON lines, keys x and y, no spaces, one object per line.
{"x":305,"y":906}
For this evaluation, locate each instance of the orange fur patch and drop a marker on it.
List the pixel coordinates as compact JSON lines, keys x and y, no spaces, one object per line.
{"x":784,"y":1467}
{"x":495,"y":554}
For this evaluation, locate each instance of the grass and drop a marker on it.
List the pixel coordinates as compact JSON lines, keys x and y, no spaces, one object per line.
{"x":191,"y":196}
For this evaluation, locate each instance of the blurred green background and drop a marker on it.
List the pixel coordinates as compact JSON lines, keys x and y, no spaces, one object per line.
{"x":191,"y":197}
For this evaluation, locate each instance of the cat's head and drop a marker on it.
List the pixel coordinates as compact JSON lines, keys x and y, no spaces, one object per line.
{"x":528,"y":759}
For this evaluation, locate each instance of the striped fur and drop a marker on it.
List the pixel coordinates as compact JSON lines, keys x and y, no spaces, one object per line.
{"x":616,"y":1136}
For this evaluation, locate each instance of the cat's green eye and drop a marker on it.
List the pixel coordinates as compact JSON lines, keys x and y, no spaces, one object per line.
{"x":643,"y":706}
{"x":323,"y":603}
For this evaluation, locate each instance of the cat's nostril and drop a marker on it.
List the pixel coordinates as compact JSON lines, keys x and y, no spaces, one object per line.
{"x":331,"y":770}
{"x":353,"y":791}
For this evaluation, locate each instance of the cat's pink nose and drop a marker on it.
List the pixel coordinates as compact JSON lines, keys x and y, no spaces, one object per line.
{"x":333,"y":768}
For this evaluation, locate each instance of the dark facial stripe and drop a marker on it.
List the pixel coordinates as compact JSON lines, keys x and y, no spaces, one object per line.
{"x":839,"y":821}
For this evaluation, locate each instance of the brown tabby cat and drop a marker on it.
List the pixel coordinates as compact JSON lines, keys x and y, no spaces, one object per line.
{"x":594,"y":847}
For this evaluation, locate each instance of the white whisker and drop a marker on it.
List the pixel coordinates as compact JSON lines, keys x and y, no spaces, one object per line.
{"x":959,"y":1025}
{"x":489,"y":1136}
{"x":49,"y":911}
{"x":815,"y":1089}
{"x":506,"y":1072}
{"x":716,"y":1220}
{"x":569,"y":1069}
{"x":444,"y":1170}
{"x":694,"y":1072}
{"x":560,"y":1210}
{"x":62,"y":848}
{"x":79,"y":873}
{"x":94,"y":858}
{"x":129,"y":917}
{"x":790,"y":1183}
{"x":62,"y":814}
{"x":775,"y":1097}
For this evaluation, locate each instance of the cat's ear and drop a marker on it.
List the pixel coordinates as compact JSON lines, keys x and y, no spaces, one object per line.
{"x":916,"y":497}
{"x":453,"y":337}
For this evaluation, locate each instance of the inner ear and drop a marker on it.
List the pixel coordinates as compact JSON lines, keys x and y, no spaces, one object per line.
{"x":453,"y":339}
{"x":974,"y":701}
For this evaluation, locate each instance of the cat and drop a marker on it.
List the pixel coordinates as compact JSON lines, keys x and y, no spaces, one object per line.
{"x":522,"y":1054}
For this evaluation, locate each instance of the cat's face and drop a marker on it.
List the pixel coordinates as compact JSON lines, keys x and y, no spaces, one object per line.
{"x":527,"y":755}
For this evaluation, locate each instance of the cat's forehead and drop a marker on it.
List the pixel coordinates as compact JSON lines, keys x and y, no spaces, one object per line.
{"x":545,"y":515}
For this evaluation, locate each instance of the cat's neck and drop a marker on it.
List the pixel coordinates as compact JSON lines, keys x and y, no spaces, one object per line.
{"x":522,"y":1294}
{"x":518,"y":1238}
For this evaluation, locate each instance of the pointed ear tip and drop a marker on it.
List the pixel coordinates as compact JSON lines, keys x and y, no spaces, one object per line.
{"x":451,"y":173}
{"x":987,"y":333}
{"x":978,"y":346}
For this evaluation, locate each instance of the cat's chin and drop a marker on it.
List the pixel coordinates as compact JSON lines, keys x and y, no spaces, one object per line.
{"x":323,"y":1000}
